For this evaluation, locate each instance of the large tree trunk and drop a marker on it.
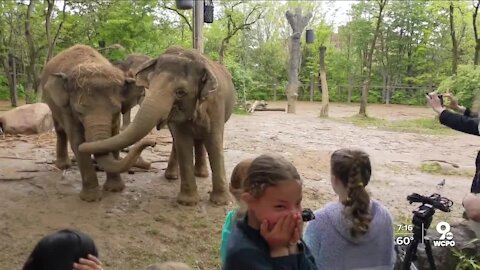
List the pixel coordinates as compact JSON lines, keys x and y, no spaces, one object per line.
{"x":366,"y":82}
{"x":298,"y":24}
{"x":10,"y":78}
{"x":475,"y":32}
{"x":323,"y":80}
{"x":31,"y":85}
{"x":454,"y":40}
{"x":221,"y":52}
{"x":13,"y":86}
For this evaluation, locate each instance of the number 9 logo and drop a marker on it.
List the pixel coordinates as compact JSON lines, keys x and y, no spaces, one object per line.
{"x":443,"y":228}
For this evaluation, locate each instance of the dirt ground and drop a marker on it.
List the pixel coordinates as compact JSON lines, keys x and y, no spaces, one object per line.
{"x":144,"y":224}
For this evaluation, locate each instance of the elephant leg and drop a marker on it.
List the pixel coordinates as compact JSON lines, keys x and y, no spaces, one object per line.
{"x":126,"y":119}
{"x":114,"y":181}
{"x":219,"y":194}
{"x":90,"y":188}
{"x":62,"y":162}
{"x":201,"y":169}
{"x":171,"y":172}
{"x":188,"y":187}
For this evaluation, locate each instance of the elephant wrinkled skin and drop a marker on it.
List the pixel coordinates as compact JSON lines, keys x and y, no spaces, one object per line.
{"x":195,"y":96}
{"x":86,"y":93}
{"x":130,"y":66}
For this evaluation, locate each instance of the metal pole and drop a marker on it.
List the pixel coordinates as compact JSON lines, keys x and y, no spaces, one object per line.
{"x":198,"y":25}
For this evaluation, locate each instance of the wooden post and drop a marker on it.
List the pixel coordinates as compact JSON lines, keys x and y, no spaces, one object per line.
{"x":13,"y":88}
{"x":198,"y":25}
{"x":350,"y":86}
{"x":312,"y":87}
{"x":323,"y":80}
{"x":275,"y":91}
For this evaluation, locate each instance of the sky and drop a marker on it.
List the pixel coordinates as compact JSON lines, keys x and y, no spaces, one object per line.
{"x":336,"y":11}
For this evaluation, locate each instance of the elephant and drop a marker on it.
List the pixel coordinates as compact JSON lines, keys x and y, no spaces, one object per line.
{"x":129,"y":67}
{"x":86,"y":94}
{"x":195,"y":97}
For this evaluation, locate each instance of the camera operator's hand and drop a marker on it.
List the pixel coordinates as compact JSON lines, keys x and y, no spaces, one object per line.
{"x":453,"y":103}
{"x":434,"y":101}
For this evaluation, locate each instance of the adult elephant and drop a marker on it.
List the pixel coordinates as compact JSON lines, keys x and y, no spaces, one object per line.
{"x":86,"y":94}
{"x":130,"y":66}
{"x":196,"y":97}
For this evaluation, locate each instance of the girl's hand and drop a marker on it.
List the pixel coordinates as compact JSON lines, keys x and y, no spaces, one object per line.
{"x":278,"y":238}
{"x":92,"y":263}
{"x":296,"y":235}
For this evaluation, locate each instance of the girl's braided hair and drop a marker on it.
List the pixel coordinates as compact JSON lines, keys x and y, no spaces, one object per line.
{"x":268,"y":170}
{"x":352,"y":167}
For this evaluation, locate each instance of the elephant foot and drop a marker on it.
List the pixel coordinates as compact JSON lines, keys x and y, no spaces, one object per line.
{"x":63,"y":164}
{"x":188,"y":198}
{"x":141,"y":163}
{"x":220,"y":198}
{"x":201,"y":171}
{"x":91,"y":194}
{"x":114,"y":185}
{"x":171,"y":174}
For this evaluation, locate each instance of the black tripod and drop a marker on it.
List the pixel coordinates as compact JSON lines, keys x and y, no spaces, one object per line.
{"x":421,"y":220}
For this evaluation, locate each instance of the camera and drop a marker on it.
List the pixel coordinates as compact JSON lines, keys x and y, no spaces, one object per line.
{"x":307,"y":214}
{"x":441,"y":99}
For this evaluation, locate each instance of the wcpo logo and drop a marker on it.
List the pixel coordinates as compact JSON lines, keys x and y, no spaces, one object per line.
{"x":446,"y":236}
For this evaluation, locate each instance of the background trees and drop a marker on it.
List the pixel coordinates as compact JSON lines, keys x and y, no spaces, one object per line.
{"x":418,"y":44}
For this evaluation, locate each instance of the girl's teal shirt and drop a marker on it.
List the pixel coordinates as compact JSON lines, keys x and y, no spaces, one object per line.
{"x":226,"y":231}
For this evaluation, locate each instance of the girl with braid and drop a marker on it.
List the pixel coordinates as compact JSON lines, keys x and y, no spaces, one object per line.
{"x":356,"y":232}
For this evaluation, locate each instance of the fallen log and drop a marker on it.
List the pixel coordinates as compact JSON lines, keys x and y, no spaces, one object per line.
{"x":271,"y":110}
{"x":7,"y":179}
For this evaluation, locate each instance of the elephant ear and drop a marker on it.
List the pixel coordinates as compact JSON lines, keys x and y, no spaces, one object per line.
{"x":208,"y":84}
{"x":56,"y":87}
{"x":144,"y":73}
{"x":131,"y":93}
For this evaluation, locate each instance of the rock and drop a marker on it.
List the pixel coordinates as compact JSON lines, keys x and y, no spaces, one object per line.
{"x":27,"y":119}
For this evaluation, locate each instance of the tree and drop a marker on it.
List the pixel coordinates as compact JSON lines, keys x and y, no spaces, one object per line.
{"x":297,"y":22}
{"x":236,"y":21}
{"x":455,"y":40}
{"x":323,"y":80}
{"x":52,"y":40}
{"x":366,"y":81}
{"x":33,"y":51}
{"x":476,"y":4}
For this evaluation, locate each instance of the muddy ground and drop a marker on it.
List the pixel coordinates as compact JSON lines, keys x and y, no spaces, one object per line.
{"x":144,"y":224}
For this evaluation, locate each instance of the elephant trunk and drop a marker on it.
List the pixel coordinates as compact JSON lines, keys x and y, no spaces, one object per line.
{"x":154,"y":110}
{"x":100,"y":128}
{"x":109,"y":164}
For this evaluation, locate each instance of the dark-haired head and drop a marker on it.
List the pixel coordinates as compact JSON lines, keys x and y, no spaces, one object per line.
{"x":351,"y":171}
{"x":58,"y":251}
{"x":272,"y":189}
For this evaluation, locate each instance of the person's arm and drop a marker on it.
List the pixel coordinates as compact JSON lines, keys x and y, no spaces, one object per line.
{"x":460,"y":122}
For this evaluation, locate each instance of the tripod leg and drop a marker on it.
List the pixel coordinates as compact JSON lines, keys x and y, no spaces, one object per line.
{"x":411,"y":250}
{"x":428,"y":249}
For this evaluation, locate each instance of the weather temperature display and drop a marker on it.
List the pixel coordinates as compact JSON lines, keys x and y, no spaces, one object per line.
{"x":403,"y":234}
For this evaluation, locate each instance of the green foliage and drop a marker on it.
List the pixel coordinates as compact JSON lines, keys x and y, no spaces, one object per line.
{"x":465,"y":85}
{"x":466,"y":262}
{"x":413,"y":49}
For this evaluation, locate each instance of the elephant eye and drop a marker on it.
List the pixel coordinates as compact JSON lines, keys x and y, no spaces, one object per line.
{"x":180,"y":93}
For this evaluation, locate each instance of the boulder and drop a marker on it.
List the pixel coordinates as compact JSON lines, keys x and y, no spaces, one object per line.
{"x":27,"y":119}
